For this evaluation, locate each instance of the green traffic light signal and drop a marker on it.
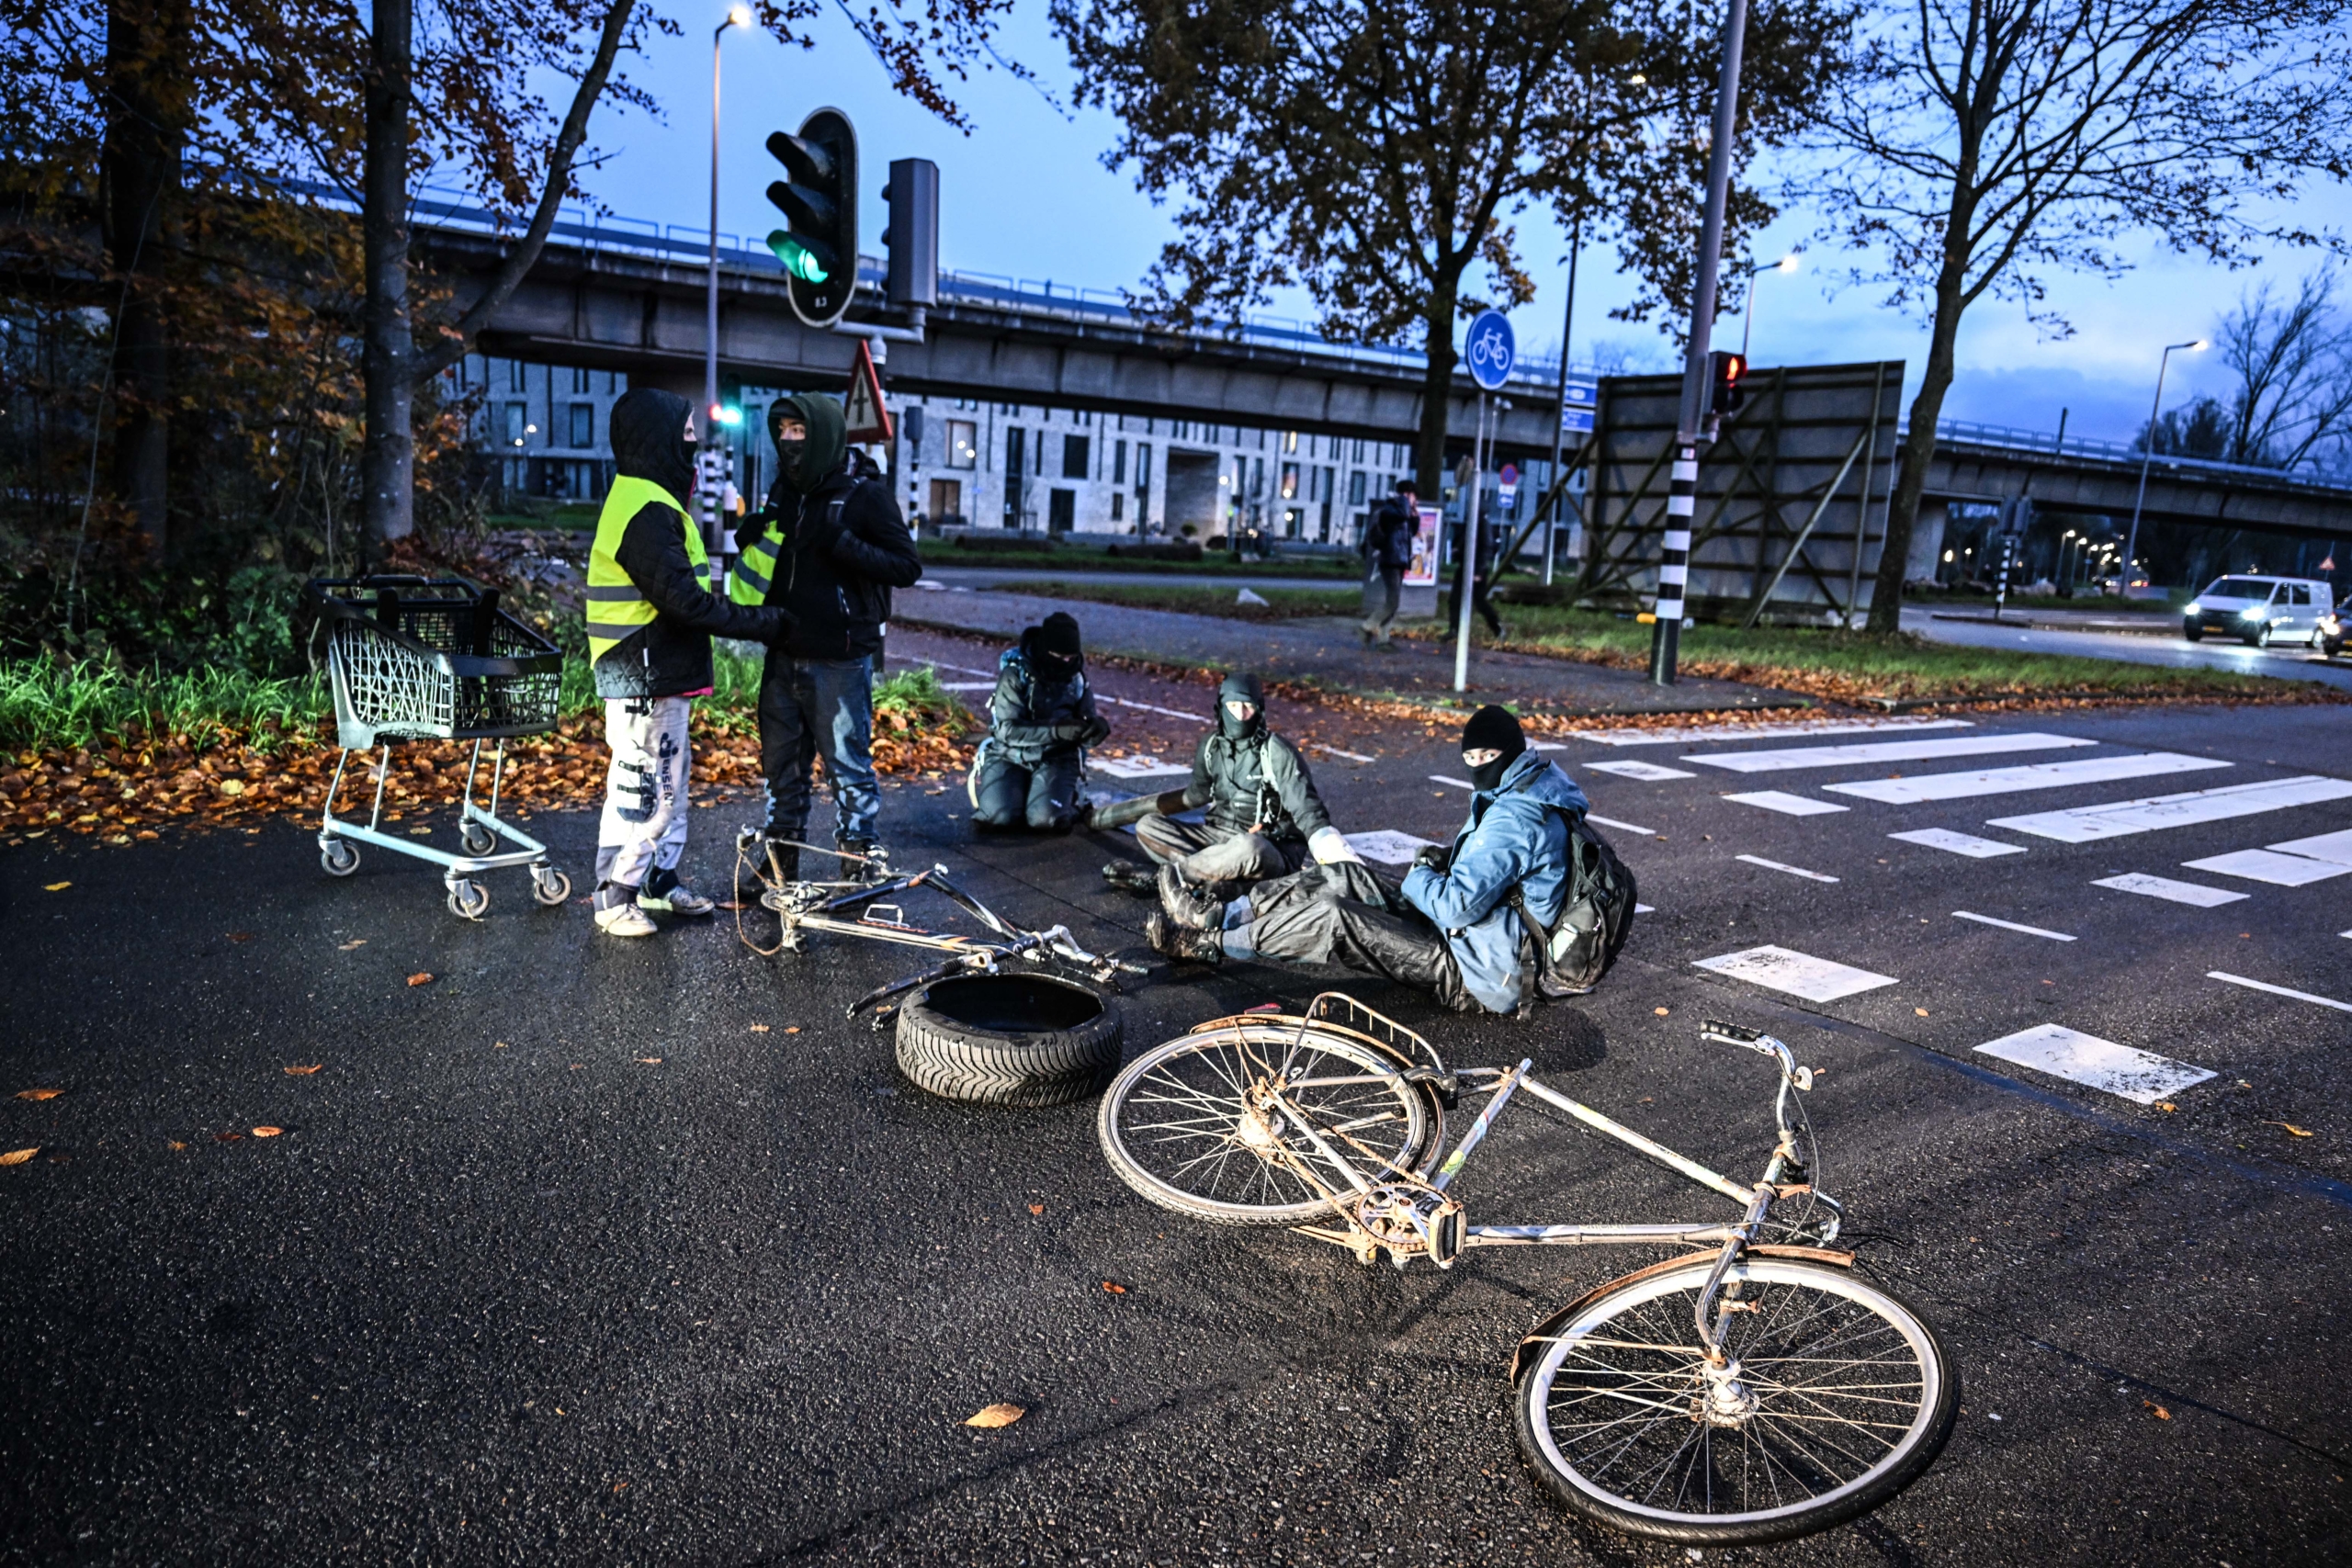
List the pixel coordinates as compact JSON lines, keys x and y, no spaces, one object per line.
{"x":798,"y":259}
{"x":818,"y":245}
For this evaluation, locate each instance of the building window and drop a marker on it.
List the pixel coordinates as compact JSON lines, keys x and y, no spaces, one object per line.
{"x":580,"y":379}
{"x":1290,"y":440}
{"x":1357,"y":482}
{"x":583,"y":424}
{"x":1211,"y":437}
{"x":1118,"y":507}
{"x":514,"y":377}
{"x":963,"y":445}
{"x":1258,"y":478}
{"x":517,"y":415}
{"x":1359,"y":458}
{"x":1143,"y":466}
{"x":1181,"y":429}
{"x":1016,"y":448}
{"x":1290,"y":481}
{"x":1075,"y":456}
{"x":1118,"y":466}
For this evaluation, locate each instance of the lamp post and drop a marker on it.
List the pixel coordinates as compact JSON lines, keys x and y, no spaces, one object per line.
{"x":2131,"y":540}
{"x":737,"y":16}
{"x":1786,"y":263}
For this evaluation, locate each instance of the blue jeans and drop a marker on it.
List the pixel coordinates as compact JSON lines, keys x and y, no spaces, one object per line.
{"x":805,"y":702}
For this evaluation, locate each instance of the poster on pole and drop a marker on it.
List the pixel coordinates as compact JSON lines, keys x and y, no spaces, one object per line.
{"x":1422,"y":573}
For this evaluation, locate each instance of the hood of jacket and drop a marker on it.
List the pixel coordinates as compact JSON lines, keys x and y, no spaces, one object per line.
{"x":1539,"y":779}
{"x":651,"y":441}
{"x":815,"y":460}
{"x":1241,"y":686}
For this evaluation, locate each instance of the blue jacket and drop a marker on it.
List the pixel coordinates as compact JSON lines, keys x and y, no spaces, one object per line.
{"x":1514,"y":838}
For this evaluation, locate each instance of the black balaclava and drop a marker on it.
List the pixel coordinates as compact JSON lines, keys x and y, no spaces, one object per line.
{"x":1493,"y":728}
{"x":654,"y":439}
{"x":805,"y":463}
{"x":1240,"y":687}
{"x":1054,"y":648}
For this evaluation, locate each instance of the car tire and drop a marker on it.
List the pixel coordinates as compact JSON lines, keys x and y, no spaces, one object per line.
{"x":2192,"y":631}
{"x":963,"y":1038}
{"x":2258,"y":638}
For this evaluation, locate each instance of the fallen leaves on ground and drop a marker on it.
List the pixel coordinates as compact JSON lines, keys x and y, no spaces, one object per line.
{"x":1921,"y":1011}
{"x":56,"y":886}
{"x":1037,"y":1207}
{"x":267,"y":1132}
{"x":304,"y":1072}
{"x":2298,"y":1132}
{"x":1660,"y":1012}
{"x":227,"y":1137}
{"x":422,"y":977}
{"x":650,"y":1061}
{"x":19,"y":1157}
{"x":759,"y":1029}
{"x":792,"y":1029}
{"x":2167,"y":1105}
{"x":241,"y":936}
{"x":174,"y":1144}
{"x":39,"y":1093}
{"x":995,"y":1416}
{"x":347,"y":946}
{"x":1114,"y":1290}
{"x":2162,"y":1414}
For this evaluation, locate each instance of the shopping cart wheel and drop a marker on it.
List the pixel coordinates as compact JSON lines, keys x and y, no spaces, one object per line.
{"x":337,"y":858}
{"x":549,"y":885}
{"x":477,"y":840}
{"x":469,"y":899}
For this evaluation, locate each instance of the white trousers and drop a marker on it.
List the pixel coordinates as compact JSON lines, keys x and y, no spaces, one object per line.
{"x":644,"y":788}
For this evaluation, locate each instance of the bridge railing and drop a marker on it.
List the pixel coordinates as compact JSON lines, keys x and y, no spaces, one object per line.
{"x":2010,"y":438}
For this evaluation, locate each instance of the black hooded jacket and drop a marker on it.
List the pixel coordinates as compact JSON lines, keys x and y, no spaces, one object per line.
{"x":670,"y":656}
{"x":833,"y":572}
{"x":1250,"y":778}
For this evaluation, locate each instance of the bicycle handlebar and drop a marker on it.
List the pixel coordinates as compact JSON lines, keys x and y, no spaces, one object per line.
{"x":1750,"y":1040}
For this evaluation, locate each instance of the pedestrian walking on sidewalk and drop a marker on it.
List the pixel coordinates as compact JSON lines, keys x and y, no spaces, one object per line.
{"x":826,"y":549}
{"x":651,"y":618}
{"x":1387,"y":552}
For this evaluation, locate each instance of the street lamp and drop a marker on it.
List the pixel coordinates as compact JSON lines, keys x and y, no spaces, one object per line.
{"x":2131,"y":540}
{"x":1786,"y":263}
{"x":737,"y":16}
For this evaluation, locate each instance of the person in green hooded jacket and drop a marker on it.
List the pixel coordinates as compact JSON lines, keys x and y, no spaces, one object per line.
{"x":826,"y":549}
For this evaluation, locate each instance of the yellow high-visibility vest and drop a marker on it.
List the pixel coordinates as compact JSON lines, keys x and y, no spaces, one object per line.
{"x":615,"y":607}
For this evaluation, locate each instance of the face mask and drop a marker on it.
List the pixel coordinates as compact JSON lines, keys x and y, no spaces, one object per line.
{"x":1234,"y":728}
{"x":1487,"y":775}
{"x":1055,"y":667}
{"x":787,"y":456}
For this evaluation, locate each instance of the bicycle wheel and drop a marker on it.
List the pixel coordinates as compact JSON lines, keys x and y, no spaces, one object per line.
{"x":1179,"y":1125}
{"x":1843,"y":1397}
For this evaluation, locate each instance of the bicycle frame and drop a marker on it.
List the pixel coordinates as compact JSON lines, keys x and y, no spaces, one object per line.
{"x":1409,"y":1215}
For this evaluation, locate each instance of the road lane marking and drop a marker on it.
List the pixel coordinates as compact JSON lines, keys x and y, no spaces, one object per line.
{"x":2278,"y":990}
{"x":1620,"y":826}
{"x":1967,"y":845}
{"x":1791,"y":757}
{"x":1645,"y":909}
{"x":2333,"y":847}
{"x":968,"y":685}
{"x":2165,"y":888}
{"x":1101,"y":696}
{"x":1788,"y":805}
{"x":2140,"y":1076}
{"x":1791,"y":870}
{"x":1680,"y":734}
{"x":2010,"y":925}
{"x":1458,"y":784}
{"x":1154,"y":707}
{"x":1797,"y":974}
{"x":1334,"y":750}
{"x":2268,"y":865}
{"x":1649,"y":773}
{"x":1135,"y":767}
{"x":2028,"y":775}
{"x":2115,"y":818}
{"x":1388,"y":846}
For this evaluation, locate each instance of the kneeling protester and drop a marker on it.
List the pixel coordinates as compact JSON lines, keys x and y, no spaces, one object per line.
{"x":1528,"y":901}
{"x":1031,"y":771}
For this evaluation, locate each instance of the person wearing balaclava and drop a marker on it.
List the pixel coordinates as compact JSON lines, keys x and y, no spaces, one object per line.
{"x":1263,"y":817}
{"x":1031,"y":770}
{"x":827,"y":547}
{"x":1454,"y":927}
{"x":651,"y":618}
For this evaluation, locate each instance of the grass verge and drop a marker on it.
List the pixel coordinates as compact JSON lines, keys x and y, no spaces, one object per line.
{"x":1198,"y":599}
{"x":1213,"y":563}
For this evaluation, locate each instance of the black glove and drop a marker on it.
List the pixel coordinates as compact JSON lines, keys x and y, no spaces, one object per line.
{"x":1437,"y":857}
{"x":1070,"y":734}
{"x":780,"y":627}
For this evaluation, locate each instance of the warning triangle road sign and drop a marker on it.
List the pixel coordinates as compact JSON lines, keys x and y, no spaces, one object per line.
{"x":868,"y":420}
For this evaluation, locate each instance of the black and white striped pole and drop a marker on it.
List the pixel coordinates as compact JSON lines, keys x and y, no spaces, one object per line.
{"x":1695,"y":425}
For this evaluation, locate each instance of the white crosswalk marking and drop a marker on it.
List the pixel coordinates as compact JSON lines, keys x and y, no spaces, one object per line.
{"x":2278,"y":990}
{"x":2140,"y":1076}
{"x":1791,"y":870}
{"x":2025,"y":776}
{"x":1785,"y":759}
{"x":2114,"y":820}
{"x":1788,"y":805}
{"x":2010,"y":925}
{"x":1620,"y":826}
{"x":2268,"y":865}
{"x":2165,"y":888}
{"x":1646,"y":771}
{"x":1135,"y":767}
{"x":2335,"y":847}
{"x":1683,"y":735}
{"x":1457,"y":783}
{"x":1967,"y":845}
{"x":1798,"y":974}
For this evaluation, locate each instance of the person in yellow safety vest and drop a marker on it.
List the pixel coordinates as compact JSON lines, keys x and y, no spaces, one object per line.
{"x":651,"y":618}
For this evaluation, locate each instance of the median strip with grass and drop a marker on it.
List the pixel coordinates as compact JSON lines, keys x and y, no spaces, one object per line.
{"x":1198,"y":598}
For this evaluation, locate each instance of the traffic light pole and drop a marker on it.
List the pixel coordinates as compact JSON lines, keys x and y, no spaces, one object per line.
{"x":1681,"y":499}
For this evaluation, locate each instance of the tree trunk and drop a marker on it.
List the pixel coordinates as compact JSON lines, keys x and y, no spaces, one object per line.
{"x":1919,"y":451}
{"x":1437,"y":387}
{"x":146,"y":133}
{"x":389,"y":460}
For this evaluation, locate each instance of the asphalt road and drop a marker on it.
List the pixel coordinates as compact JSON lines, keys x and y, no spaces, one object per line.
{"x":2290,"y":662}
{"x":562,"y":1255}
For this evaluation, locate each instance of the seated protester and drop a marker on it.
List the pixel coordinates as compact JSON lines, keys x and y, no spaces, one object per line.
{"x":1453,"y":929}
{"x":1262,"y":808}
{"x":1032,"y":767}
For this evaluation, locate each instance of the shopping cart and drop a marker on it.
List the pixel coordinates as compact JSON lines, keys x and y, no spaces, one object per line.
{"x":435,"y":659}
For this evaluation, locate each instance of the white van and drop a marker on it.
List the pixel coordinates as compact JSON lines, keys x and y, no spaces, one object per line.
{"x":2261,"y":610}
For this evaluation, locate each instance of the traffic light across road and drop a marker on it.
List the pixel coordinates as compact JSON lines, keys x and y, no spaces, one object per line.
{"x":1726,"y":394}
{"x":818,"y":198}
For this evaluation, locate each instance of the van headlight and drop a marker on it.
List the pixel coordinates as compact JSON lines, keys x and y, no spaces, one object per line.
{"x":2192,"y":608}
{"x":2253,"y":614}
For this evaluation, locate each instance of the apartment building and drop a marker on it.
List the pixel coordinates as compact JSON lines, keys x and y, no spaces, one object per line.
{"x":545,"y":427}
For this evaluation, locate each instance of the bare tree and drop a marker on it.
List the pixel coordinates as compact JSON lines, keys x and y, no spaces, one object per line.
{"x":2293,"y":364}
{"x":1984,"y":145}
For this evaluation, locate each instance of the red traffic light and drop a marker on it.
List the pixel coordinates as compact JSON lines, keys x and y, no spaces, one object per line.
{"x":1729,"y":370}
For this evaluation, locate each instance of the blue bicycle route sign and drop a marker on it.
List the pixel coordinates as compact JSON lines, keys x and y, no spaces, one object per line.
{"x":1491,"y":349}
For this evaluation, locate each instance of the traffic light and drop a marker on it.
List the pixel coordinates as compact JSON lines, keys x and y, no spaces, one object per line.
{"x":818,"y":200}
{"x":912,"y":238}
{"x":1729,"y":370}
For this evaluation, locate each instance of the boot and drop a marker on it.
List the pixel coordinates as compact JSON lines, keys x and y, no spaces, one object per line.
{"x":1136,"y":879}
{"x":875,"y":865}
{"x":1182,"y":943}
{"x":1193,"y":908}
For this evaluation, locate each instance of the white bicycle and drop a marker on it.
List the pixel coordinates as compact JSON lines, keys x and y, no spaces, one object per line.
{"x":1753,"y":1390}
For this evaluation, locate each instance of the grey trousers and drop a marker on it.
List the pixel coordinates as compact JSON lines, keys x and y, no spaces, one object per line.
{"x":1205,"y":856}
{"x":1045,"y":797}
{"x":1381,"y":586}
{"x":644,"y":825}
{"x":1343,"y":915}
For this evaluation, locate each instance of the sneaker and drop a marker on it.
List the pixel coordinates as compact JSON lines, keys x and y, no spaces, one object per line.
{"x":625,"y":920}
{"x":675,"y":900}
{"x":1192,"y":907}
{"x":1181,"y":943}
{"x":1141,"y":880}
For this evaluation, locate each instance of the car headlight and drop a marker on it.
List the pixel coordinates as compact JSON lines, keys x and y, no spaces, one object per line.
{"x":2192,"y":608}
{"x":2255,"y":613}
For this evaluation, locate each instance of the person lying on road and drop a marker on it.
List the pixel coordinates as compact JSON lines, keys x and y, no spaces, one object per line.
{"x":1031,"y":771}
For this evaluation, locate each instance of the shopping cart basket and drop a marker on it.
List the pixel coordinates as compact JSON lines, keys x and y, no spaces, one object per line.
{"x":435,"y":659}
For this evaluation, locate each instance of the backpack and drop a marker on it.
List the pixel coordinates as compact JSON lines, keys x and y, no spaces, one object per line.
{"x":1596,"y":917}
